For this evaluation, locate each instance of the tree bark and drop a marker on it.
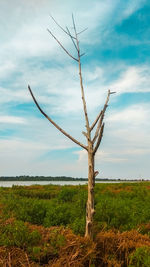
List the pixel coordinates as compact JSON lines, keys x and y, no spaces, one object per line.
{"x":90,"y":201}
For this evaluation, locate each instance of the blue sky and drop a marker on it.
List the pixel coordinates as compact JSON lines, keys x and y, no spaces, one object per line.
{"x":117,"y":47}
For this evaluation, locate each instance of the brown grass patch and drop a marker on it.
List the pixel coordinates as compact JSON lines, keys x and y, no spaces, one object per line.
{"x":109,"y":249}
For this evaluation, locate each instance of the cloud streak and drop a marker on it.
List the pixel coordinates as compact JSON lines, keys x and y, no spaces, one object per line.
{"x":12,"y":119}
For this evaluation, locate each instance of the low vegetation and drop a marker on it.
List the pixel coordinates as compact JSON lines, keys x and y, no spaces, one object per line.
{"x":44,"y":226}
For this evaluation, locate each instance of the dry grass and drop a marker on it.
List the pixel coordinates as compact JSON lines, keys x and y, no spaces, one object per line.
{"x":109,"y":249}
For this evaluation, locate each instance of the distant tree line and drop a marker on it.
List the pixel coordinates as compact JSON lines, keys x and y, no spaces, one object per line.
{"x":58,"y":178}
{"x":46,"y":178}
{"x":40,"y":178}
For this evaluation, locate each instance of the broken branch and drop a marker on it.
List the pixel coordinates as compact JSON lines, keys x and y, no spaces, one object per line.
{"x":99,"y":139}
{"x":96,"y":120}
{"x":101,"y":117}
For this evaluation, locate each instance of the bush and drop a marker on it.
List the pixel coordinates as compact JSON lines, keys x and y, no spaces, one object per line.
{"x":78,"y":225}
{"x":122,"y":210}
{"x":120,"y":206}
{"x":141,"y":257}
{"x":18,"y":234}
{"x":67,"y":194}
{"x":58,"y":215}
{"x":57,"y":240}
{"x":24,"y":209}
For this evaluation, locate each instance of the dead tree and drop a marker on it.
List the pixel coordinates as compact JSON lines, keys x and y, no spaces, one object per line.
{"x":93,"y":143}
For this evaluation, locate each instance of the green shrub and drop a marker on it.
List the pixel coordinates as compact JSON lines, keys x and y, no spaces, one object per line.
{"x":78,"y":225}
{"x":58,"y":214}
{"x":35,"y":252}
{"x":34,"y":193}
{"x":57,"y":240}
{"x":120,"y":206}
{"x":30,"y":210}
{"x":67,"y":194}
{"x":123,"y":210}
{"x":140,"y":258}
{"x":18,"y":234}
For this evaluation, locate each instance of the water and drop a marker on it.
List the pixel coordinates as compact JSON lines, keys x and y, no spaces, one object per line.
{"x":27,"y":183}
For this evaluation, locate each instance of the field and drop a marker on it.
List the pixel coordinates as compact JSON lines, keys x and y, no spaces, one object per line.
{"x":44,"y":226}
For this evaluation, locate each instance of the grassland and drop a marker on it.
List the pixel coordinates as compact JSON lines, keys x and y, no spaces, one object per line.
{"x":44,"y":226}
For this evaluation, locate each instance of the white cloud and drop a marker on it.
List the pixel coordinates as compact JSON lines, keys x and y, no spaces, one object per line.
{"x":7,"y":68}
{"x":16,"y":145}
{"x":12,"y":119}
{"x":133,"y":79}
{"x":19,"y":156}
{"x":25,"y":33}
{"x":135,"y":115}
{"x":131,"y":7}
{"x":101,"y":156}
{"x":13,"y":96}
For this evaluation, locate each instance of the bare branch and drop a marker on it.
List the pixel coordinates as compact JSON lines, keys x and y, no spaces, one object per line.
{"x":56,"y":125}
{"x":72,"y":39}
{"x":85,"y":134}
{"x":97,"y":131}
{"x":61,"y":45}
{"x":99,"y":139}
{"x":61,"y":27}
{"x":96,"y":120}
{"x":100,"y":126}
{"x":82,"y":31}
{"x":74,"y":26}
{"x":112,"y":93}
{"x":101,"y":118}
{"x":81,"y":81}
{"x":83,"y":54}
{"x":99,"y":115}
{"x":96,"y":173}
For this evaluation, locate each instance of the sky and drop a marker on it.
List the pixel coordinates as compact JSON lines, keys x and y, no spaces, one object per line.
{"x":117,"y":57}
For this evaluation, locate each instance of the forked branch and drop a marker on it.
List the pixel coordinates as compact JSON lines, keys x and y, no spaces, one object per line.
{"x":62,"y":45}
{"x":100,"y":126}
{"x":99,"y":139}
{"x":76,"y":45}
{"x":81,"y":80}
{"x":96,"y":120}
{"x":61,"y":27}
{"x":72,"y":39}
{"x":55,"y":124}
{"x":102,"y":111}
{"x":82,"y":31}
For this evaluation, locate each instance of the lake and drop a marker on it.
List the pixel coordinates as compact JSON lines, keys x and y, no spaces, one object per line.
{"x":27,"y":183}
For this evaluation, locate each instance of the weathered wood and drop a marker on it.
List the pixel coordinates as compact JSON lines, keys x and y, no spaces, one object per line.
{"x":90,"y":201}
{"x":90,"y":148}
{"x":96,"y":120}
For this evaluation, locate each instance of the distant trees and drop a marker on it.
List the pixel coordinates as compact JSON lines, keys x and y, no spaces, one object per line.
{"x":93,"y":143}
{"x":40,"y":178}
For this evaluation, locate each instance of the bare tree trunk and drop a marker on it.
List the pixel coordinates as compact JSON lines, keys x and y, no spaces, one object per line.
{"x":90,"y":201}
{"x":91,"y":148}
